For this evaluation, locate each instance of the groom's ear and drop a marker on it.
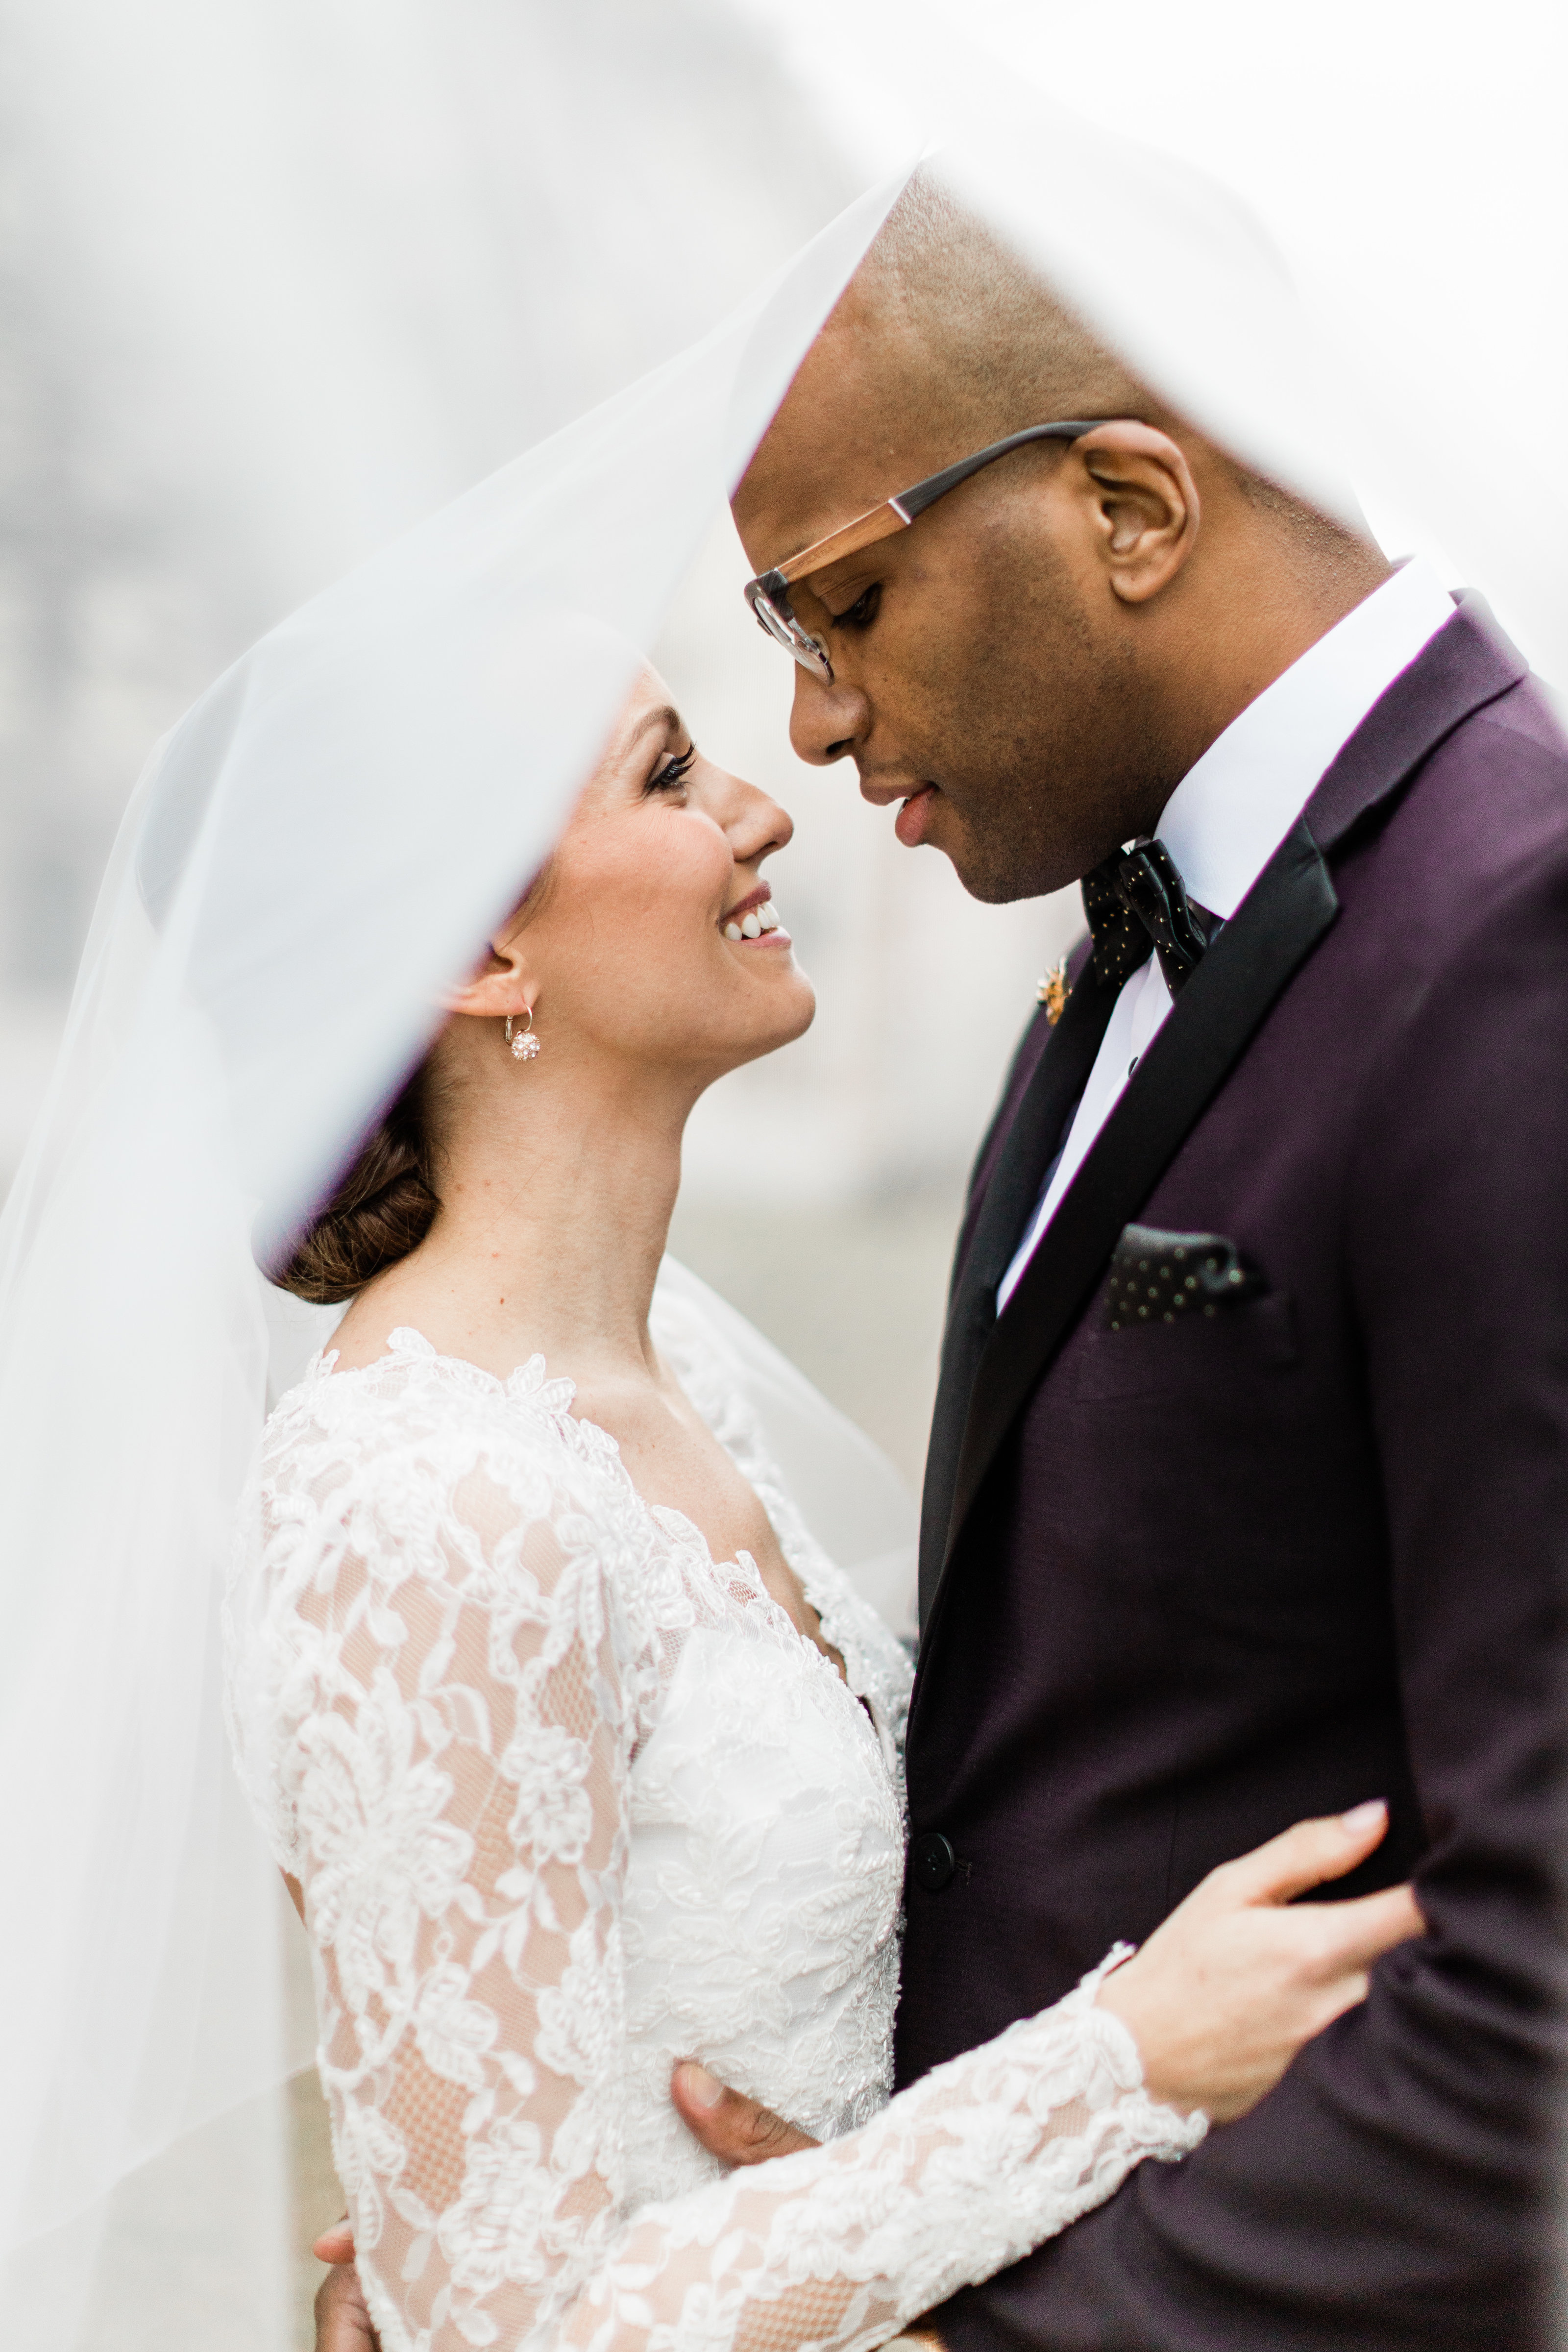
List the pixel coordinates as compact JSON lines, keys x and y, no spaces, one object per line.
{"x":1138,"y":504}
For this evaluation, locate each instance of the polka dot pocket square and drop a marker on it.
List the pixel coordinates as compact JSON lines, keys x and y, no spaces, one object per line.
{"x":1162,"y":1277}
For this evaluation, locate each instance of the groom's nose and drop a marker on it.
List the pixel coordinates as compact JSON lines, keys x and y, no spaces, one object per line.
{"x":828,"y":723}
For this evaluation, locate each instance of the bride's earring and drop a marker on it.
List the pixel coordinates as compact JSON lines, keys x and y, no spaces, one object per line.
{"x":524,"y":1044}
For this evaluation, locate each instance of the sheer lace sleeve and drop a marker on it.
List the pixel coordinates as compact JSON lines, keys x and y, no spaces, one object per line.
{"x":448,"y":1642}
{"x":844,"y":2245}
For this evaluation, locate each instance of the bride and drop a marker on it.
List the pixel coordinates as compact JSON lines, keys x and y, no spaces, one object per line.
{"x":581,"y":1758}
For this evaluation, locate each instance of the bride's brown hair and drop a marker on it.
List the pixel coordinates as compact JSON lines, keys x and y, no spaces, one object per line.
{"x":385,"y":1202}
{"x":382,"y":1208}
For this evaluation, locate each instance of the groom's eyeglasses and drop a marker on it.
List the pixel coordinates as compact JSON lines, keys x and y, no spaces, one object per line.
{"x":768,"y":593}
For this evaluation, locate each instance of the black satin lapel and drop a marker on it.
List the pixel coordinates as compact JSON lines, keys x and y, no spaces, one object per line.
{"x":1288,"y":910}
{"x":998,"y":1221}
{"x":1032,"y":1046}
{"x":1034,"y":1042}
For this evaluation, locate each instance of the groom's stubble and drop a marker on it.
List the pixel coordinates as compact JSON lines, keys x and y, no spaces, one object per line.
{"x":1053,"y":719}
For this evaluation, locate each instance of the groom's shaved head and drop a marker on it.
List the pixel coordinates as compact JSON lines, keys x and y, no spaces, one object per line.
{"x":942,"y":342}
{"x":973,"y":338}
{"x":1037,"y":661}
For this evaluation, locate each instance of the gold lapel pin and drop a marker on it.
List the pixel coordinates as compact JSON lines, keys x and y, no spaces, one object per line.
{"x":1051,"y":990}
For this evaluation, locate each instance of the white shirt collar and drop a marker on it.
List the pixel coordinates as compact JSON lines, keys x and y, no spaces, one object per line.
{"x":1235,"y":804}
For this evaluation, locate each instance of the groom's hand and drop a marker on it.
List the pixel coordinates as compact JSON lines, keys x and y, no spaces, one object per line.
{"x":737,"y":2131}
{"x":734,"y":2129}
{"x":342,"y":2322}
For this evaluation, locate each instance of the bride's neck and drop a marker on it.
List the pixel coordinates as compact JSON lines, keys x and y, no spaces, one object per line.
{"x":555,"y":1203}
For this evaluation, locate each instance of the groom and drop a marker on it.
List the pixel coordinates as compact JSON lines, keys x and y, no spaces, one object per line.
{"x":1248,"y":1490}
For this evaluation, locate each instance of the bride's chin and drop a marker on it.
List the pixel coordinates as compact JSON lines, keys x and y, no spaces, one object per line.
{"x":786,"y":1020}
{"x":802,"y":1011}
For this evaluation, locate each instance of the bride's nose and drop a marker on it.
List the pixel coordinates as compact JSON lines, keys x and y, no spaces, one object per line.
{"x":755,"y":824}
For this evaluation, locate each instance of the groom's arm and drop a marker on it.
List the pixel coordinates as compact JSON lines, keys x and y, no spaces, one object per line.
{"x":1397,"y":2188}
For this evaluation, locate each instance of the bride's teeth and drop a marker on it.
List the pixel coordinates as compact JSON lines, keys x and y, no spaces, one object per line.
{"x":753,"y":922}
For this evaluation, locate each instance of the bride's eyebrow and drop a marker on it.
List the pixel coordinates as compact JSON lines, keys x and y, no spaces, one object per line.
{"x":666,"y":717}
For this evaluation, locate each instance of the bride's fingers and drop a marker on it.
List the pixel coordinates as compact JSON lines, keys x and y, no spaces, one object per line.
{"x":735,"y":2129}
{"x":1302,"y":1857}
{"x":336,"y":2245}
{"x":1344,"y":1938}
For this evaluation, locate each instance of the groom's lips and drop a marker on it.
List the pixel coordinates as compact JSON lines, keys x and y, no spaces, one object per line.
{"x":910,"y":823}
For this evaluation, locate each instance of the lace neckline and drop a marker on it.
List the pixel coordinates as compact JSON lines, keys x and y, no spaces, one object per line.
{"x":405,"y":1344}
{"x":531,"y":1385}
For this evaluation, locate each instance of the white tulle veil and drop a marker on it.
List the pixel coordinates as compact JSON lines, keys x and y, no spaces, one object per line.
{"x":311,"y":853}
{"x":389,"y":766}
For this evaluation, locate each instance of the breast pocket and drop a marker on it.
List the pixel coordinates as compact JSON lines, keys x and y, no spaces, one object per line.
{"x":1183,"y":1311}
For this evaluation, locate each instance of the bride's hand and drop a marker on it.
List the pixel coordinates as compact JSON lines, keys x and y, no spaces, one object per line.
{"x":1222,"y":1995}
{"x":1219,"y":1999}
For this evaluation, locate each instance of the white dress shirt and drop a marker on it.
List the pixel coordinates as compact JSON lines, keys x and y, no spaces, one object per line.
{"x":1232,"y":810}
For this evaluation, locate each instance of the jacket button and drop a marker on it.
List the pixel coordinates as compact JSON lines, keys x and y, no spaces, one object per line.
{"x":935,"y":1862}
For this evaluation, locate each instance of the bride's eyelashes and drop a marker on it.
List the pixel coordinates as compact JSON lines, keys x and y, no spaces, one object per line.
{"x":674,"y":772}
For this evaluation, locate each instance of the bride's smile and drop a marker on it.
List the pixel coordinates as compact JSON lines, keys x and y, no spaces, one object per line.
{"x":651,"y":947}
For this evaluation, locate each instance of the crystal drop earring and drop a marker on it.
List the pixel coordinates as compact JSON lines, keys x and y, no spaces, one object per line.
{"x":524,"y":1044}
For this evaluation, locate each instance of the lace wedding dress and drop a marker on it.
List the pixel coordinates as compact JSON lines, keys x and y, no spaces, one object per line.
{"x":571,"y":1802}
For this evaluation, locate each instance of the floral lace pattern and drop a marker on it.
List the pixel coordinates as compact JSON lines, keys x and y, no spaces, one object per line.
{"x":569,"y":1802}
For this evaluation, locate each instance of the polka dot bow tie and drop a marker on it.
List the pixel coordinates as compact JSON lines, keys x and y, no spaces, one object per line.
{"x":1135,"y":899}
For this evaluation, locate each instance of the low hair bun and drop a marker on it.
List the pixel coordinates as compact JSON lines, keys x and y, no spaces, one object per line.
{"x":381,"y":1210}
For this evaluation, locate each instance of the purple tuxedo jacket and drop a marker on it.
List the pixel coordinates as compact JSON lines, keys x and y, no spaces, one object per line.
{"x":1184,"y":1583}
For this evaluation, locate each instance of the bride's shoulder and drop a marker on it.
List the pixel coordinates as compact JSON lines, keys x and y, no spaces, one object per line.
{"x":422,"y":1468}
{"x":413,"y":1415}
